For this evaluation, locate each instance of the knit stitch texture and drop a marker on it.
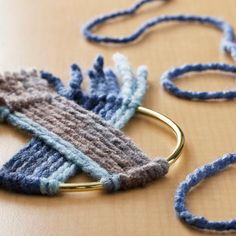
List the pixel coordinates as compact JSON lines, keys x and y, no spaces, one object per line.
{"x":81,"y":139}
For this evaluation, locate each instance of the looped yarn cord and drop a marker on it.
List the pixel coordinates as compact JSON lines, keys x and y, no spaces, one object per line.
{"x":228,"y":44}
{"x":190,"y":182}
{"x":175,"y":73}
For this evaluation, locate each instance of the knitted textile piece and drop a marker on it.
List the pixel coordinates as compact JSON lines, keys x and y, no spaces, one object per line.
{"x":14,"y":174}
{"x":38,"y":156}
{"x":36,"y":169}
{"x":125,"y":172}
{"x":191,"y":181}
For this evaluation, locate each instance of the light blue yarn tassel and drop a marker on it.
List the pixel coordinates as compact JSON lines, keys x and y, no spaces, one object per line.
{"x":132,"y":92}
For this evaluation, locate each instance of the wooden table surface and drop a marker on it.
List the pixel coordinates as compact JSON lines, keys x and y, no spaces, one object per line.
{"x":47,"y":35}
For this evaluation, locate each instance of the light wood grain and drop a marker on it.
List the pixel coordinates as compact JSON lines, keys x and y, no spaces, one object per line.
{"x":47,"y":35}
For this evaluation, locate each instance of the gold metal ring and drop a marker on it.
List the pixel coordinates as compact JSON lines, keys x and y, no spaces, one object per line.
{"x":82,"y":187}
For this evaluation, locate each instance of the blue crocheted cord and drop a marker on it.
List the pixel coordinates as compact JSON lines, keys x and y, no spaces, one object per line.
{"x":191,"y":181}
{"x":175,"y":73}
{"x":228,"y":44}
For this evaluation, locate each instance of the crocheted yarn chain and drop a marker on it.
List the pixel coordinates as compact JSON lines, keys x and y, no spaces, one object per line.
{"x":229,"y":46}
{"x":227,"y":43}
{"x":175,"y":73}
{"x":192,"y":180}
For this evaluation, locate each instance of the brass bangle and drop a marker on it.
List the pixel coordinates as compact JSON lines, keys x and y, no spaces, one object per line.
{"x":92,"y":186}
{"x":175,"y":128}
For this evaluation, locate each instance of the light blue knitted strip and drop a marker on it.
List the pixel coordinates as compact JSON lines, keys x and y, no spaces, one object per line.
{"x":67,"y":149}
{"x":62,"y":173}
{"x":50,"y":185}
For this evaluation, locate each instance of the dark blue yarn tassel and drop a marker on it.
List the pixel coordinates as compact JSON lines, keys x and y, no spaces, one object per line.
{"x":74,"y":91}
{"x":54,"y":81}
